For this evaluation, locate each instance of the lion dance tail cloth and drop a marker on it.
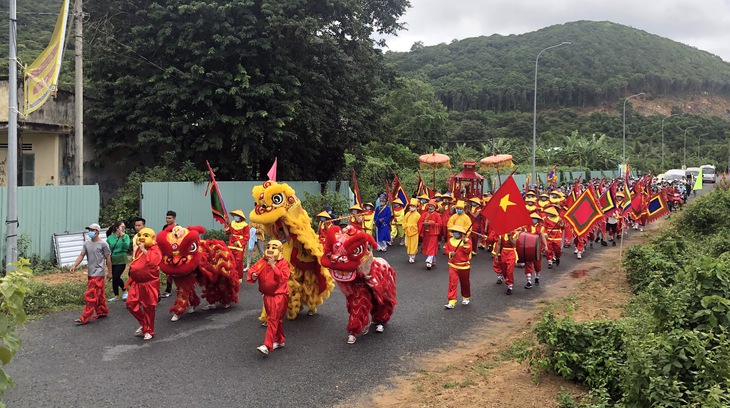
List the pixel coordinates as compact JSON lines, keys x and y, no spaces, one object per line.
{"x":368,"y":283}
{"x":188,"y":259}
{"x":280,"y":212}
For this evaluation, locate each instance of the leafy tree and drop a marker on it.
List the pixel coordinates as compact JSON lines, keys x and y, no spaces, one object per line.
{"x":415,"y":117}
{"x":13,"y":289}
{"x":240,"y":81}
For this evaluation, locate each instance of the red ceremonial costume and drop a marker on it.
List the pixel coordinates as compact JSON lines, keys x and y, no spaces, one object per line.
{"x":554,"y":228}
{"x":459,"y":253}
{"x":429,"y":227}
{"x":95,"y":299}
{"x":508,"y":257}
{"x":239,"y":232}
{"x":535,"y":266}
{"x":274,"y":286}
{"x":188,"y":259}
{"x":144,"y":284}
{"x":368,"y":283}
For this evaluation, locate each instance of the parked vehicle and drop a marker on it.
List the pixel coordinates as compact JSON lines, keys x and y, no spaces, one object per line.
{"x":708,"y":173}
{"x":674,"y":174}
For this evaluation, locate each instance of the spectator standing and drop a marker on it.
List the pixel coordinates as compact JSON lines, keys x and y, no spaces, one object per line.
{"x":98,"y":257}
{"x":119,"y":244}
{"x":170,"y":223}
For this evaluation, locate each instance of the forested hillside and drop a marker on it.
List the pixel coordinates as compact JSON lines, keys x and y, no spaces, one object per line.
{"x":604,"y":62}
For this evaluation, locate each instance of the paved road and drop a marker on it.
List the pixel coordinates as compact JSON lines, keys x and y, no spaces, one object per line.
{"x":209,"y":359}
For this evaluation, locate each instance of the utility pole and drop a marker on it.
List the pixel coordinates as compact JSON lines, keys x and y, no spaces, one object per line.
{"x":79,"y":91}
{"x":11,"y":219}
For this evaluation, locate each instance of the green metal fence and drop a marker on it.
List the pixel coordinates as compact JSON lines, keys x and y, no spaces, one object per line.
{"x":188,"y":200}
{"x":45,"y":210}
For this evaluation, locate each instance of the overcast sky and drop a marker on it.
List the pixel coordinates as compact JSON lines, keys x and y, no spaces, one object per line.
{"x":704,"y":24}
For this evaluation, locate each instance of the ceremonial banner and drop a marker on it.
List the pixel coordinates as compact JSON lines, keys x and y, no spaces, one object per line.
{"x":356,"y":189}
{"x":657,"y":207}
{"x":272,"y":171}
{"x":399,"y":191}
{"x":217,"y":207}
{"x":506,"y":209}
{"x":552,"y":176}
{"x":421,"y":187}
{"x":584,"y":213}
{"x":608,"y":201}
{"x":41,"y":77}
{"x":698,"y":182}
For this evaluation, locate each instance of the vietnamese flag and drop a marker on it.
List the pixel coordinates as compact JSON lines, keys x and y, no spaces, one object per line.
{"x":506,"y":209}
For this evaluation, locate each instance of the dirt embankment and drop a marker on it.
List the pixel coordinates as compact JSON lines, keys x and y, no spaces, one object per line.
{"x":703,"y":104}
{"x":482,"y":371}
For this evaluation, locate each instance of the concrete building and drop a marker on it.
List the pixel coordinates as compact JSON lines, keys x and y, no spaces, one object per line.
{"x":46,"y":136}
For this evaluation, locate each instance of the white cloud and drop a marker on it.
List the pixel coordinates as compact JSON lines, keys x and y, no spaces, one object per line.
{"x":701,"y":24}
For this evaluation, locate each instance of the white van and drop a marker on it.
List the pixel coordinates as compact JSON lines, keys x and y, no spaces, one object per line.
{"x":708,"y":173}
{"x":674,"y":174}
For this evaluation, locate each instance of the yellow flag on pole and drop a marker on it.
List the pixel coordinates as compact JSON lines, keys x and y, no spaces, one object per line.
{"x":41,"y":77}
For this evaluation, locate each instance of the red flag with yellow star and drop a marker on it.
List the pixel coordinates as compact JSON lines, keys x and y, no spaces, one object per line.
{"x":506,"y":209}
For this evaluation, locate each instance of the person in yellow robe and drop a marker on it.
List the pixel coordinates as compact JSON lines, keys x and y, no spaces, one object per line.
{"x":410,"y":229}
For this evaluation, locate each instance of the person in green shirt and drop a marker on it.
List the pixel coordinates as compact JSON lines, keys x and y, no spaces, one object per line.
{"x":119,"y":244}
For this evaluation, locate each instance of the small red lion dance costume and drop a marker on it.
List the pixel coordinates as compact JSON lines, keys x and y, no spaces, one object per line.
{"x":144,"y":283}
{"x":367,"y":282}
{"x":188,"y":259}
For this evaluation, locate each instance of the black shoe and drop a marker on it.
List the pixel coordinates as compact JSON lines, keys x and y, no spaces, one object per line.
{"x":613,"y":243}
{"x":598,"y":239}
{"x":604,"y":243}
{"x":557,"y":262}
{"x":528,"y":285}
{"x":509,"y":291}
{"x":537,"y":281}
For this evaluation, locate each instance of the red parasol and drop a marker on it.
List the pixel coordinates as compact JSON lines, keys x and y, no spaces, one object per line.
{"x":497,"y":162}
{"x":434,"y":161}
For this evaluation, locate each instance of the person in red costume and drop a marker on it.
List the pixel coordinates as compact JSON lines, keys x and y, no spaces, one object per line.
{"x":144,"y":283}
{"x":535,"y":267}
{"x":458,"y":249}
{"x":554,"y":231}
{"x":507,"y":253}
{"x":272,"y":273}
{"x":357,"y":218}
{"x":239,"y":232}
{"x":429,"y":227}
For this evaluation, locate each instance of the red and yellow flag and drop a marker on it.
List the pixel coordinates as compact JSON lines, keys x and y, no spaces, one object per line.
{"x":41,"y":77}
{"x":506,"y":209}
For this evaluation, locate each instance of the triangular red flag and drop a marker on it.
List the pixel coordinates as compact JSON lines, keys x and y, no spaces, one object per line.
{"x":272,"y":171}
{"x":506,"y":209}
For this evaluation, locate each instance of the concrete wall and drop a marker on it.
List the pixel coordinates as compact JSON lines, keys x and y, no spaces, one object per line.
{"x":47,"y":157}
{"x":58,"y":110}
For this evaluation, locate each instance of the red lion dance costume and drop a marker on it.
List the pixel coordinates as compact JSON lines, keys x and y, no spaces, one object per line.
{"x":368,"y":283}
{"x":188,"y":259}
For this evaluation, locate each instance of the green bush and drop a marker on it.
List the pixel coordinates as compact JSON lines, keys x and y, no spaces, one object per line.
{"x":216,"y":234}
{"x":591,"y":352}
{"x":44,"y":298}
{"x":313,"y":204}
{"x":672,"y":347}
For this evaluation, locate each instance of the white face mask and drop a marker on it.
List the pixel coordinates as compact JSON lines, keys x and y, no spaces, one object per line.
{"x":411,"y":208}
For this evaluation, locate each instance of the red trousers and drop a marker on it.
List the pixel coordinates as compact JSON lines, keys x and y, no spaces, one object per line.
{"x":275,"y":306}
{"x":95,"y":299}
{"x":580,"y":243}
{"x":497,"y":264}
{"x":141,"y":302}
{"x":460,"y":277}
{"x":554,"y":250}
{"x":361,"y":305}
{"x":507,"y":264}
{"x":532,"y":267}
{"x":186,"y":295}
{"x":238,"y":255}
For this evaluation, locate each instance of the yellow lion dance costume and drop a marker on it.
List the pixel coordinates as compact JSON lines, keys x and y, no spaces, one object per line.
{"x":279,"y":210}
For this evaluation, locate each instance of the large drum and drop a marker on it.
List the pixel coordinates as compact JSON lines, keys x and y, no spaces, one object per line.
{"x":528,"y":247}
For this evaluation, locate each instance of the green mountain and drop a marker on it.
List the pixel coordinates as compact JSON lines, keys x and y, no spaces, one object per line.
{"x":604,"y":63}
